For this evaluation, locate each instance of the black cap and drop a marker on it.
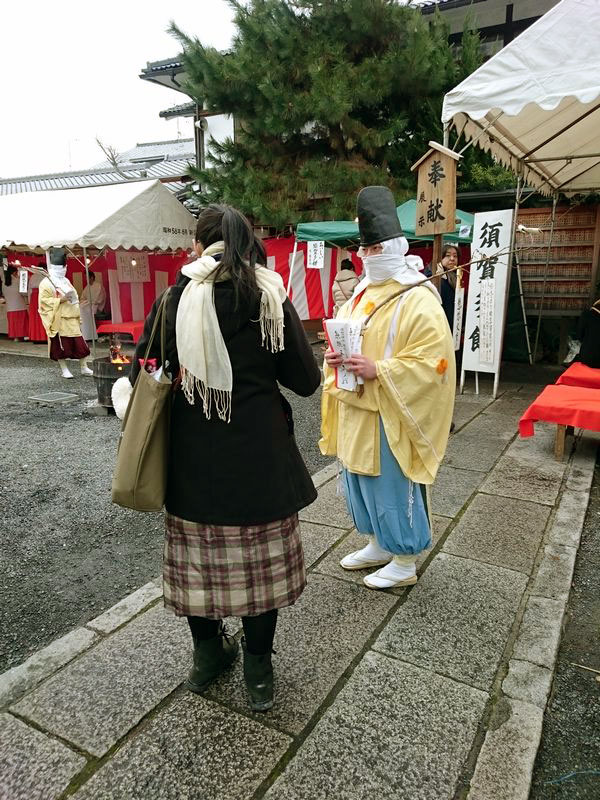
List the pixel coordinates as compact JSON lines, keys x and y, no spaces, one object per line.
{"x":58,"y":256}
{"x":377,"y":216}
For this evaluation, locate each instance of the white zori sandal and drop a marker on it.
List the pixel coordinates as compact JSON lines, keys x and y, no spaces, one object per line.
{"x":401,"y":571}
{"x":370,"y":556}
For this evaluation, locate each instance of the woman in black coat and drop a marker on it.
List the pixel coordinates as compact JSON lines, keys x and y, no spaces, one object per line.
{"x":589,"y":335}
{"x":236,"y":479}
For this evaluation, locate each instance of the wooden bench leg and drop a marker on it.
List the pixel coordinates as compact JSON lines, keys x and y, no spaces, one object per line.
{"x":559,"y":444}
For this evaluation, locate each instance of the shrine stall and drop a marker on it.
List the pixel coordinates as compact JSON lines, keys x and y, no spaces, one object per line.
{"x":133,"y":236}
{"x":308,"y":262}
{"x":541,"y":122}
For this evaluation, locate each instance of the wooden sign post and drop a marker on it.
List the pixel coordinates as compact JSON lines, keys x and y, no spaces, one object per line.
{"x":436,"y":197}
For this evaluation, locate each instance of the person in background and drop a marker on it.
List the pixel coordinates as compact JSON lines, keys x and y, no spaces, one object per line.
{"x":236,"y":479}
{"x":448,"y":281}
{"x":37,"y":332}
{"x":589,"y":336}
{"x":16,"y":306}
{"x":93,"y":300}
{"x":344,"y":284}
{"x":391,"y":438}
{"x":58,"y":305}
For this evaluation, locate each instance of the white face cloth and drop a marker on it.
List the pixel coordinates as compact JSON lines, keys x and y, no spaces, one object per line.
{"x":58,"y":276}
{"x":393,"y":264}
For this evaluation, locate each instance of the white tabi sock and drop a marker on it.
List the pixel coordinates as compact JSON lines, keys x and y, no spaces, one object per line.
{"x":64,"y":370}
{"x":401,"y":571}
{"x":373,"y":552}
{"x":85,"y":370}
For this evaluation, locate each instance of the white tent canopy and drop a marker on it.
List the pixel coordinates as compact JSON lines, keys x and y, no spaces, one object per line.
{"x":535,"y":105}
{"x":141,"y":214}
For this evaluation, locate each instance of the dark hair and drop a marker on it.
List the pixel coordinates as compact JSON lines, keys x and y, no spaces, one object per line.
{"x":242,"y":252}
{"x":450,"y":247}
{"x":347,"y":263}
{"x":91,"y":274}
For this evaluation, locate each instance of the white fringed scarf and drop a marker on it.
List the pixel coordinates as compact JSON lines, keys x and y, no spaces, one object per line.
{"x":203,"y":356}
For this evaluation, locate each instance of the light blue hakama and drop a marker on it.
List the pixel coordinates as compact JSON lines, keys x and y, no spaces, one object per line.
{"x":390,"y":506}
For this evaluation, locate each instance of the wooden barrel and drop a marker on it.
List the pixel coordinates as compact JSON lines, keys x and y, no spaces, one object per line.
{"x":105,"y":374}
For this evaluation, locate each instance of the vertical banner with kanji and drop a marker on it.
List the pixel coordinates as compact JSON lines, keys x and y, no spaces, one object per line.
{"x":315,"y":255}
{"x":436,"y":191}
{"x":488,"y":284}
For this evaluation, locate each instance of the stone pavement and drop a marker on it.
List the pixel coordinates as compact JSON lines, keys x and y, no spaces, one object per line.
{"x":429,"y":693}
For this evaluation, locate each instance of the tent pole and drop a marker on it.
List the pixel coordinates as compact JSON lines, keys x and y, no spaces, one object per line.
{"x":446,"y":139}
{"x":547,"y":267}
{"x":514,"y":254}
{"x":87,"y":278}
{"x":295,"y":250}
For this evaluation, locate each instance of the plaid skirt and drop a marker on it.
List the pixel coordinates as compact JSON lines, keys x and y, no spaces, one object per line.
{"x":218,"y":571}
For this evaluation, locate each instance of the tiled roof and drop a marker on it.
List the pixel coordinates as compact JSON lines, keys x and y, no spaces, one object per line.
{"x":163,"y":171}
{"x":154,"y":151}
{"x":182,"y":110}
{"x":166,"y":65}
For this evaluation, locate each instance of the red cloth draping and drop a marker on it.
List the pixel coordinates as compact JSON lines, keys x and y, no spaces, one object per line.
{"x":580,"y":375}
{"x":134,"y":328}
{"x":18,"y":324}
{"x":37,"y":332}
{"x":563,"y":405}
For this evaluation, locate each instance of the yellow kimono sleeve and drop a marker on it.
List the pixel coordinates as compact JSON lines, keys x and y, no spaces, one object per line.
{"x":48,"y":308}
{"x":417,"y":387}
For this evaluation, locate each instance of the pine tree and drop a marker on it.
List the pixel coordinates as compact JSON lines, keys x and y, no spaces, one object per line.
{"x":328,"y":96}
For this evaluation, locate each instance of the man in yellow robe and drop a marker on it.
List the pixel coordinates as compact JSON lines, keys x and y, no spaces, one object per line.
{"x":391,"y":437}
{"x":58,"y":306}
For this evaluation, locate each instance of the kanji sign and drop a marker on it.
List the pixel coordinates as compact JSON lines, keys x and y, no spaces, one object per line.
{"x":23,"y":280}
{"x":488,"y":282}
{"x":132,"y":267}
{"x":315,"y":252}
{"x":436,"y":192}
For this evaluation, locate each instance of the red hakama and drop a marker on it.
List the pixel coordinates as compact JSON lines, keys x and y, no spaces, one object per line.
{"x":37,"y":332}
{"x":18,"y":324}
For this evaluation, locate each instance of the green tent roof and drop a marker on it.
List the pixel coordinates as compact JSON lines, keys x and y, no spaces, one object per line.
{"x":344,"y":234}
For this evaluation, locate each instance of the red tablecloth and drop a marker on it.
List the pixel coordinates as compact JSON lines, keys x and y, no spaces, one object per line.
{"x":580,"y":375}
{"x":134,"y":328}
{"x":563,"y":405}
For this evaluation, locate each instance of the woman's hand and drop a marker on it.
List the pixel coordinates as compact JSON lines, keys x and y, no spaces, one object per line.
{"x":362,"y":366}
{"x":63,"y":298}
{"x":332,"y":358}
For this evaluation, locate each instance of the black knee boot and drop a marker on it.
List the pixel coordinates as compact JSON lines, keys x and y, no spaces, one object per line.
{"x":211,"y":657}
{"x":258,"y":669}
{"x":258,"y":675}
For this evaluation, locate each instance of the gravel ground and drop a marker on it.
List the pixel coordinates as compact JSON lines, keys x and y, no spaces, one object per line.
{"x":66,"y":552}
{"x":571,"y":734}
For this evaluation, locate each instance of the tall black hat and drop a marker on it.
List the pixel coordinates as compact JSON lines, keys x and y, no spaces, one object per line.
{"x":377,"y":217}
{"x":58,"y":256}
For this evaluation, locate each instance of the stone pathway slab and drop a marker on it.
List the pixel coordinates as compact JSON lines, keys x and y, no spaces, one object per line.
{"x":127,"y":608}
{"x":18,"y":680}
{"x":97,"y":699}
{"x":525,"y":479}
{"x":329,"y":508}
{"x":452,"y":489}
{"x":33,"y":766}
{"x":192,"y":749}
{"x":527,"y":682}
{"x":501,"y":531}
{"x":315,"y":642}
{"x":316,"y":540}
{"x":466,"y":449}
{"x":395,"y":731}
{"x":505,"y":762}
{"x":456,"y":620}
{"x":539,"y":634}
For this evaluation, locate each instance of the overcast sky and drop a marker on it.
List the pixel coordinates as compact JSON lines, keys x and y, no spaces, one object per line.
{"x":69,"y":72}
